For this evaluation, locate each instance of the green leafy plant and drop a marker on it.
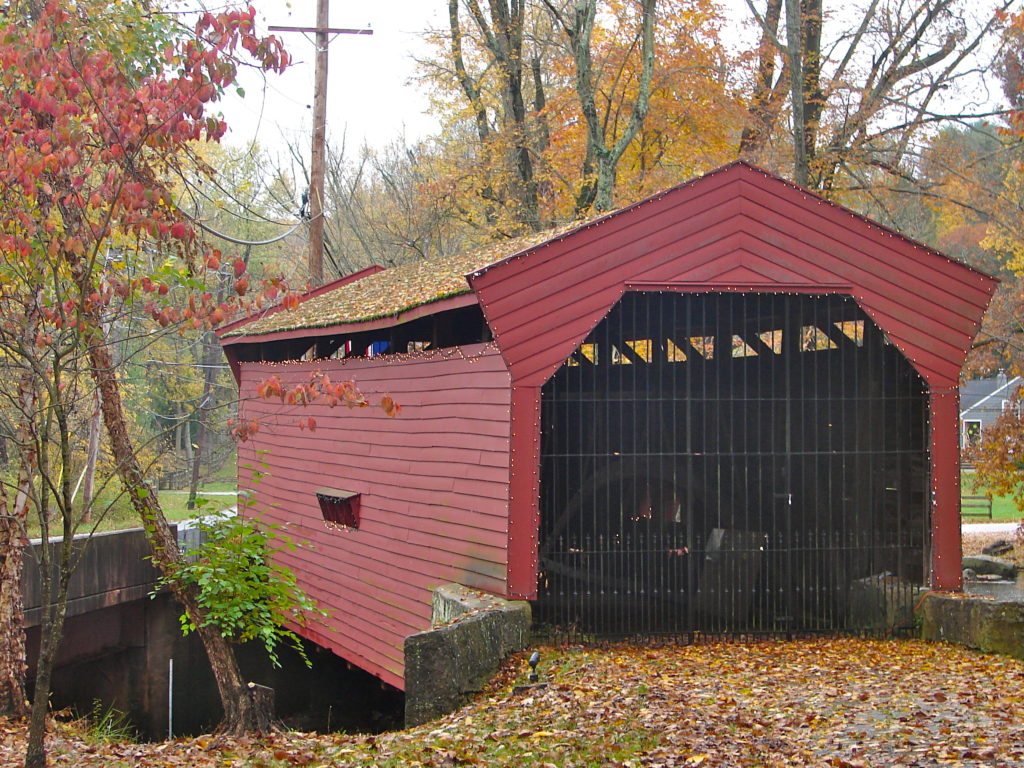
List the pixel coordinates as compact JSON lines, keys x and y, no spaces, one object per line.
{"x":108,"y":725}
{"x":242,"y":591}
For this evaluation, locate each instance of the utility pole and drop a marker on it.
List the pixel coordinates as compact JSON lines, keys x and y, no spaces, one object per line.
{"x":316,"y":171}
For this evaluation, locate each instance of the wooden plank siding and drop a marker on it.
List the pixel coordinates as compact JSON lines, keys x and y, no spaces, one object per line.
{"x":929,"y":306}
{"x":434,"y":484}
{"x":735,"y":229}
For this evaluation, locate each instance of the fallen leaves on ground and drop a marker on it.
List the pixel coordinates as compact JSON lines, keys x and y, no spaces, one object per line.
{"x":844,"y":703}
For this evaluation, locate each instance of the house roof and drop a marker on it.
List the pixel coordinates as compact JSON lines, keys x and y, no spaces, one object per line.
{"x":987,"y":393}
{"x":387,"y":293}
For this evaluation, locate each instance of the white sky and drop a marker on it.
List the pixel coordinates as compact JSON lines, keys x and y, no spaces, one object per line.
{"x":370,"y":97}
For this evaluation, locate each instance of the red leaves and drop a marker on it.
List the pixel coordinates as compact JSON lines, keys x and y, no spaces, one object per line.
{"x":270,"y":388}
{"x":243,"y":429}
{"x":77,"y":130}
{"x":320,"y":390}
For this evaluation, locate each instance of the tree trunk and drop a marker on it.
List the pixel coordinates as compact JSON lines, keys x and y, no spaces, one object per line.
{"x":12,"y":633}
{"x":12,"y":537}
{"x":813,"y":98}
{"x":91,"y":458}
{"x":794,"y":52}
{"x":769,"y":91}
{"x":52,"y":628}
{"x":240,"y":713}
{"x":209,"y":359}
{"x":52,"y":495}
{"x":598,"y":191}
{"x":502,"y":36}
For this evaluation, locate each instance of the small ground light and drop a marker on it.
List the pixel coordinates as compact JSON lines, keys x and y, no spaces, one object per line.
{"x":534,"y":661}
{"x":534,"y":684}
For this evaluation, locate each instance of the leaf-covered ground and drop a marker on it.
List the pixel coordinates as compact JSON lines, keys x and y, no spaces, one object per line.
{"x":975,"y":542}
{"x":838,"y":702}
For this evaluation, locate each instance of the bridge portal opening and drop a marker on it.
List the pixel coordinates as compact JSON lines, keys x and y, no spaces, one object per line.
{"x":733,"y":463}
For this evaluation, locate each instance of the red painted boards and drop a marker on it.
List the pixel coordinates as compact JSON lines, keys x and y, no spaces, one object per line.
{"x":433,"y":482}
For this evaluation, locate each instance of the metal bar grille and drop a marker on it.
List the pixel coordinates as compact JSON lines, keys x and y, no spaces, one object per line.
{"x":732,"y":464}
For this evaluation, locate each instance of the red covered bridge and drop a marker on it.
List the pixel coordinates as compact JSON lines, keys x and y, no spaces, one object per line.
{"x":731,"y":407}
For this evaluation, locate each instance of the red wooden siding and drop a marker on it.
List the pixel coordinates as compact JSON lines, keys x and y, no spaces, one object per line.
{"x":735,"y":229}
{"x":434,"y":484}
{"x":945,"y":445}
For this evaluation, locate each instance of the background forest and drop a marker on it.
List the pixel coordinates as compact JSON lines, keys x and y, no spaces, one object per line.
{"x":557,"y":110}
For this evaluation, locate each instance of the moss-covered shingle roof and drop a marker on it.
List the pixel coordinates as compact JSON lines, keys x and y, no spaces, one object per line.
{"x":392,"y":291}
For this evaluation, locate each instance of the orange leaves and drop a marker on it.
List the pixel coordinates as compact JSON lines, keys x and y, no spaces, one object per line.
{"x":689,"y":127}
{"x":243,"y":429}
{"x":715,"y":705}
{"x":270,"y":388}
{"x":996,"y":457}
{"x":320,"y":390}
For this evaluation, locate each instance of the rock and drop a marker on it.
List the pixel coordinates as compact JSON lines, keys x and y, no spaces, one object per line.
{"x":997,"y":548}
{"x":882,"y":601}
{"x":974,"y":622}
{"x":986,"y":565}
{"x":444,"y":666}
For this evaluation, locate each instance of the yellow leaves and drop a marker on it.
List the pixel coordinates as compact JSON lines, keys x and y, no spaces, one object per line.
{"x":842,"y":703}
{"x":690,"y":125}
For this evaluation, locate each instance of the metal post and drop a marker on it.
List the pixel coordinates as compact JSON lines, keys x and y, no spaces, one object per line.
{"x":170,"y":698}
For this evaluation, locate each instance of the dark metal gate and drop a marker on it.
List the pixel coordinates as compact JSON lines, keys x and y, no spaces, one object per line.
{"x":732,"y":463}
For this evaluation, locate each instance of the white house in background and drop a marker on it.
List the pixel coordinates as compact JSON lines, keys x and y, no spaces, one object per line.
{"x":981,"y":402}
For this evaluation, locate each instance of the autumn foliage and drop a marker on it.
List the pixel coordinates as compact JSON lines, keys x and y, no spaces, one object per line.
{"x":836,"y":703}
{"x":518,"y":150}
{"x":91,"y":156}
{"x":97,"y":123}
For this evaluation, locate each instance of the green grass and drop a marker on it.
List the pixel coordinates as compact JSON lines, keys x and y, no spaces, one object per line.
{"x":174,"y":503}
{"x":1003,"y":508}
{"x":114,"y":511}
